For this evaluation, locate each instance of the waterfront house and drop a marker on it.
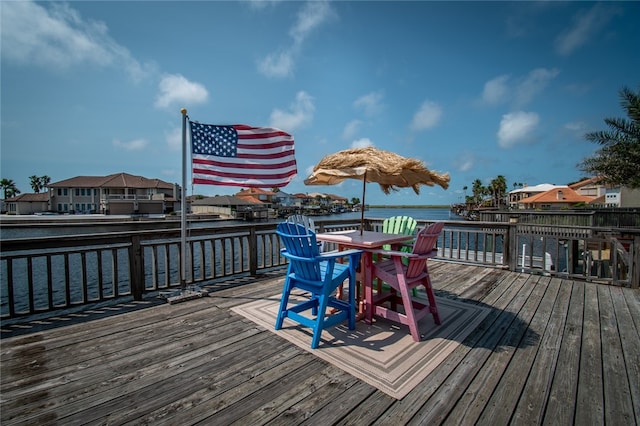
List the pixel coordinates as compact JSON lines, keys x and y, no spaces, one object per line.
{"x":27,"y":203}
{"x":527,"y":191}
{"x":257,"y":195}
{"x":223,"y":205}
{"x":119,"y":193}
{"x":607,"y":195}
{"x":338,"y":202}
{"x":560,"y":197}
{"x":284,"y":199}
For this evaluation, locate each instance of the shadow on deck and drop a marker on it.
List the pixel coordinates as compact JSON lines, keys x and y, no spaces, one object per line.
{"x":550,"y":350}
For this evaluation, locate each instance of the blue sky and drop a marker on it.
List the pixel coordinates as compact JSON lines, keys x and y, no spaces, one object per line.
{"x":475,"y":89}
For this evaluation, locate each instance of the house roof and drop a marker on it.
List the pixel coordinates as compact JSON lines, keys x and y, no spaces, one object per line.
{"x":562,"y":194}
{"x":543,"y":187}
{"x":585,"y":182}
{"x":117,"y":180}
{"x":337,"y":197}
{"x":253,"y":191}
{"x":29,"y":198}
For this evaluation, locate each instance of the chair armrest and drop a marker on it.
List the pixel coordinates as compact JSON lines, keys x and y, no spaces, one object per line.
{"x":339,"y":254}
{"x":393,"y":253}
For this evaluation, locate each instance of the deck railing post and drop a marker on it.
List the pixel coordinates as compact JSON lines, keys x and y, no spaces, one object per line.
{"x":511,"y":246}
{"x":635,"y":263}
{"x":253,"y":251}
{"x":136,"y":268}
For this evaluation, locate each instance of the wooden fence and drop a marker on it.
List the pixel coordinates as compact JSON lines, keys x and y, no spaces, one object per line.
{"x":40,"y":275}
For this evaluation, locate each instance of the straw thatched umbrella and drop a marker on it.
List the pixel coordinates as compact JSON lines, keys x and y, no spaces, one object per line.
{"x":391,"y":171}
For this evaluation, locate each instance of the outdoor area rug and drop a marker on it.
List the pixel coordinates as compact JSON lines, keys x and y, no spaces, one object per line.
{"x":382,"y":354}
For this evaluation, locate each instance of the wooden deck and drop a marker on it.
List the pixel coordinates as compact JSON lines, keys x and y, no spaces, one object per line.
{"x":551,"y":351}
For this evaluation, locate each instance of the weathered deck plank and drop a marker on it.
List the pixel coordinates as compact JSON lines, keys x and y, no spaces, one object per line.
{"x":502,"y":403}
{"x":550,"y":351}
{"x":532,"y":404}
{"x":617,"y":395}
{"x":590,"y":398}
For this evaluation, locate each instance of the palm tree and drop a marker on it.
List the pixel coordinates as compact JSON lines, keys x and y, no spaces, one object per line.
{"x":478,"y":190}
{"x":45,"y":181}
{"x":9,"y":188}
{"x":34,"y":181}
{"x":617,"y":161}
{"x":498,"y":188}
{"x":39,"y":183}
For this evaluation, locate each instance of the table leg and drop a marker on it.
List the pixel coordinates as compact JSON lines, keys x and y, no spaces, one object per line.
{"x":367,"y":282}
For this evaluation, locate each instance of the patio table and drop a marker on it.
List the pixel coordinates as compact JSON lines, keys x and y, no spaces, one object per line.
{"x":367,"y":241}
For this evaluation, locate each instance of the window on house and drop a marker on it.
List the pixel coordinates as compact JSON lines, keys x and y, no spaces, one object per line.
{"x":65,"y":191}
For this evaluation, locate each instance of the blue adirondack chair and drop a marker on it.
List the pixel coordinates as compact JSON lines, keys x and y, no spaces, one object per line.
{"x":320,"y":275}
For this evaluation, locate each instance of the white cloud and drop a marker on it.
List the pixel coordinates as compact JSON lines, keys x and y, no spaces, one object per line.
{"x":262,"y":4}
{"x":281,"y":64}
{"x":351,"y":129}
{"x":517,"y":127}
{"x":59,"y":38}
{"x":134,"y":145}
{"x":496,"y":91}
{"x":277,"y":65}
{"x":175,"y":89}
{"x":299,"y":115}
{"x":535,"y":82}
{"x":464,"y":162}
{"x":518,"y":91}
{"x":427,"y":116}
{"x":370,"y":103}
{"x":361,"y":143}
{"x":586,"y":25}
{"x":310,"y":17}
{"x":575,"y":126}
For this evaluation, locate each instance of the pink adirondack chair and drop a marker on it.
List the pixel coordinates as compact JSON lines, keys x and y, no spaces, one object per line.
{"x":402,"y":279}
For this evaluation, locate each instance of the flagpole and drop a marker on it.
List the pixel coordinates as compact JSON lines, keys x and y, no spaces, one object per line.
{"x":364,"y":188}
{"x":183,"y":205}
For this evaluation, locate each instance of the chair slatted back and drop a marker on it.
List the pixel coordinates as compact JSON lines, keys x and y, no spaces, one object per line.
{"x":404,"y":225}
{"x":306,"y":221}
{"x":424,"y":244}
{"x":301,"y":248}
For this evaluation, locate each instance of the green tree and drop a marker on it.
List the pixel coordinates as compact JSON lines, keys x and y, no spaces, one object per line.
{"x":355,"y":200}
{"x":498,"y":190}
{"x":9,"y":188}
{"x":38,"y":183}
{"x":479,"y":191}
{"x":617,"y":161}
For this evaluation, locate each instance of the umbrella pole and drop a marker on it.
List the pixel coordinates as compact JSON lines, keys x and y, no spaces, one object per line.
{"x":364,"y":188}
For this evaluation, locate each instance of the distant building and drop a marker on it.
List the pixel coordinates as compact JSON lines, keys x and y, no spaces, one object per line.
{"x":28,"y":203}
{"x":560,"y":197}
{"x":119,"y":193}
{"x":607,"y":195}
{"x":623,"y":197}
{"x":223,"y":205}
{"x":257,"y":195}
{"x":517,"y":195}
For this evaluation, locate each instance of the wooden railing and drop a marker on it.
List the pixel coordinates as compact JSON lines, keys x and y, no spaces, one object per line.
{"x":40,"y":275}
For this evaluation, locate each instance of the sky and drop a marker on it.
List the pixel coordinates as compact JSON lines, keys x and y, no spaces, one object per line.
{"x":473,"y":89}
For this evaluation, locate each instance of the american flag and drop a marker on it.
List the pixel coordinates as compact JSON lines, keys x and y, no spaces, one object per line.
{"x":240,"y":155}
